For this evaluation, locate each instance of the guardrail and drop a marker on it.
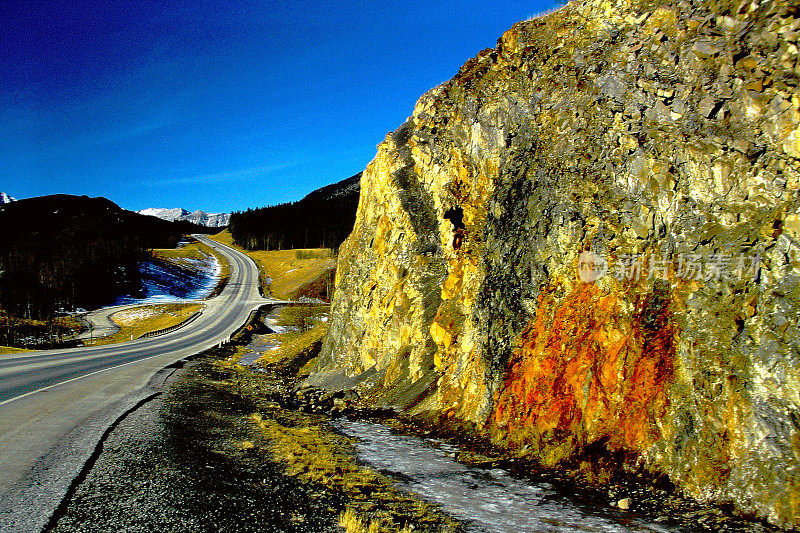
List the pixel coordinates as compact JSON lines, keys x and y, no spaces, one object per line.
{"x":171,"y":328}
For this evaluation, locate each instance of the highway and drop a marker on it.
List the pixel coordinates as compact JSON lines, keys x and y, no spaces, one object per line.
{"x":55,"y":405}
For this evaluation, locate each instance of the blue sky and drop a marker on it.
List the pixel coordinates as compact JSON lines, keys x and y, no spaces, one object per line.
{"x":218,"y":104}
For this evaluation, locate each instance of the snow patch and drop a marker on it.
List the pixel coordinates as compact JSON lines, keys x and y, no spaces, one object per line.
{"x":162,"y":284}
{"x":131,"y":316}
{"x":6,"y":199}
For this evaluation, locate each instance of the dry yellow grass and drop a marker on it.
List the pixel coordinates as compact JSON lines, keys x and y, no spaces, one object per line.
{"x":314,"y":454}
{"x":11,"y":349}
{"x":284,"y":273}
{"x":310,"y":451}
{"x":225,"y":238}
{"x":287,"y":345}
{"x":292,"y":343}
{"x":60,"y":328}
{"x":136,"y":322}
{"x":351,"y":523}
{"x":66,"y":322}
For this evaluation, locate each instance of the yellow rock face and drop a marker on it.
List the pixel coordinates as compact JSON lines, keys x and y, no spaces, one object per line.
{"x":668,"y":147}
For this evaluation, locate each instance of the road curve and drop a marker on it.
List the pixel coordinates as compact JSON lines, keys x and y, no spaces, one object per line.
{"x":55,"y":405}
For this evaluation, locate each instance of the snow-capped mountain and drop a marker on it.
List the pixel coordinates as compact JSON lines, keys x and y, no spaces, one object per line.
{"x":211,"y":220}
{"x":6,"y":199}
{"x":165,"y":214}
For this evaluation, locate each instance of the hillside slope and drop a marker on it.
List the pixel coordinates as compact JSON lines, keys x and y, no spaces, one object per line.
{"x":62,"y":251}
{"x":662,"y":138}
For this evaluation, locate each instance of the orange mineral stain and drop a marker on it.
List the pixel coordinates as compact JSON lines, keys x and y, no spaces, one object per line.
{"x":585,"y":371}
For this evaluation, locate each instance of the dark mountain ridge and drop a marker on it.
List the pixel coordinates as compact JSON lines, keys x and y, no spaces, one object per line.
{"x":341,"y":189}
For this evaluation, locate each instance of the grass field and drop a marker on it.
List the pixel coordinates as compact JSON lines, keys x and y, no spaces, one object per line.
{"x":140,"y":320}
{"x":290,"y":344}
{"x":289,"y":274}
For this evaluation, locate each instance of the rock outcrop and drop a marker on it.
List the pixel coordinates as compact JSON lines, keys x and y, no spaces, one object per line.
{"x":588,"y":239}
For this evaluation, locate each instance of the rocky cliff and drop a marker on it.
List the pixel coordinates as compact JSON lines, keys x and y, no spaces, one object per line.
{"x":588,"y":240}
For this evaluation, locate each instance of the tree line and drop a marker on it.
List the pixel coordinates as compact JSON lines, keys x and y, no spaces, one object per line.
{"x":323,"y":219}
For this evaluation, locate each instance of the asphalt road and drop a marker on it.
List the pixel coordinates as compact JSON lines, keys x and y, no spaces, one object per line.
{"x":56,"y":405}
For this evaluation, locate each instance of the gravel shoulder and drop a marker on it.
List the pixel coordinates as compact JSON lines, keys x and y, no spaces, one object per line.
{"x":180,"y":463}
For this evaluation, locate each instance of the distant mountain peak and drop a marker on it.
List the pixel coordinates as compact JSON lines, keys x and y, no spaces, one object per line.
{"x":6,"y":199}
{"x":164,"y":213}
{"x":210,"y":220}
